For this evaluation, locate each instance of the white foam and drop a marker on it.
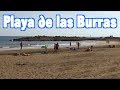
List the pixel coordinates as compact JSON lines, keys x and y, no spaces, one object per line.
{"x":37,"y":46}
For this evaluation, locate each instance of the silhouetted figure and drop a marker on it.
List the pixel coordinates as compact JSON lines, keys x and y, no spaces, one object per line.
{"x":78,"y":44}
{"x":91,"y":48}
{"x":74,"y":48}
{"x":113,"y":46}
{"x":21,"y":45}
{"x":57,"y":46}
{"x":109,"y":46}
{"x":70,"y":44}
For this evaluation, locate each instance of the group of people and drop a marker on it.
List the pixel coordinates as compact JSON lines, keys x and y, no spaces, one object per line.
{"x":89,"y":49}
{"x":78,"y":45}
{"x":56,"y":46}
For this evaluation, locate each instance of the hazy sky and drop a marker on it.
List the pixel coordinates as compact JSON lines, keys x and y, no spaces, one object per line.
{"x":61,"y":32}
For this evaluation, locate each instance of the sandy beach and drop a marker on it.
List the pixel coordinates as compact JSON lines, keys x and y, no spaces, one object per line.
{"x":101,"y":63}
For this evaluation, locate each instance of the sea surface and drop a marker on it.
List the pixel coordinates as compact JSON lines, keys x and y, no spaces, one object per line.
{"x":7,"y":43}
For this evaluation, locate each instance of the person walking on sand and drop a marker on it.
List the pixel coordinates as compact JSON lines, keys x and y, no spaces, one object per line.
{"x":21,"y":45}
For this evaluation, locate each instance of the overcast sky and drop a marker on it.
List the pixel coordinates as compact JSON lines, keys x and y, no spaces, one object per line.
{"x":61,"y":32}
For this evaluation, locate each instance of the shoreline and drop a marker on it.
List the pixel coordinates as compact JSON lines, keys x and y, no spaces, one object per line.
{"x":51,"y":50}
{"x":97,"y":44}
{"x":101,"y":63}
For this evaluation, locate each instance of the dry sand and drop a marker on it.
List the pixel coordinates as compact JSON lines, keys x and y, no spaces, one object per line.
{"x":101,"y":63}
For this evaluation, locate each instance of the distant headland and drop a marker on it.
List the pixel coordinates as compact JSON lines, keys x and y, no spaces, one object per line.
{"x":63,"y":38}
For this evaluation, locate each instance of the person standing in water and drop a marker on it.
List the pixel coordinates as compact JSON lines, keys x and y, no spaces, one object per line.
{"x":21,"y":45}
{"x":70,"y":44}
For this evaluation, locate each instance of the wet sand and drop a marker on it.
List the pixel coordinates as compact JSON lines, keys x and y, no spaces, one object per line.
{"x":101,"y":63}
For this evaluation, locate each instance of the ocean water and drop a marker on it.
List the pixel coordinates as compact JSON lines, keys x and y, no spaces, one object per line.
{"x":5,"y":43}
